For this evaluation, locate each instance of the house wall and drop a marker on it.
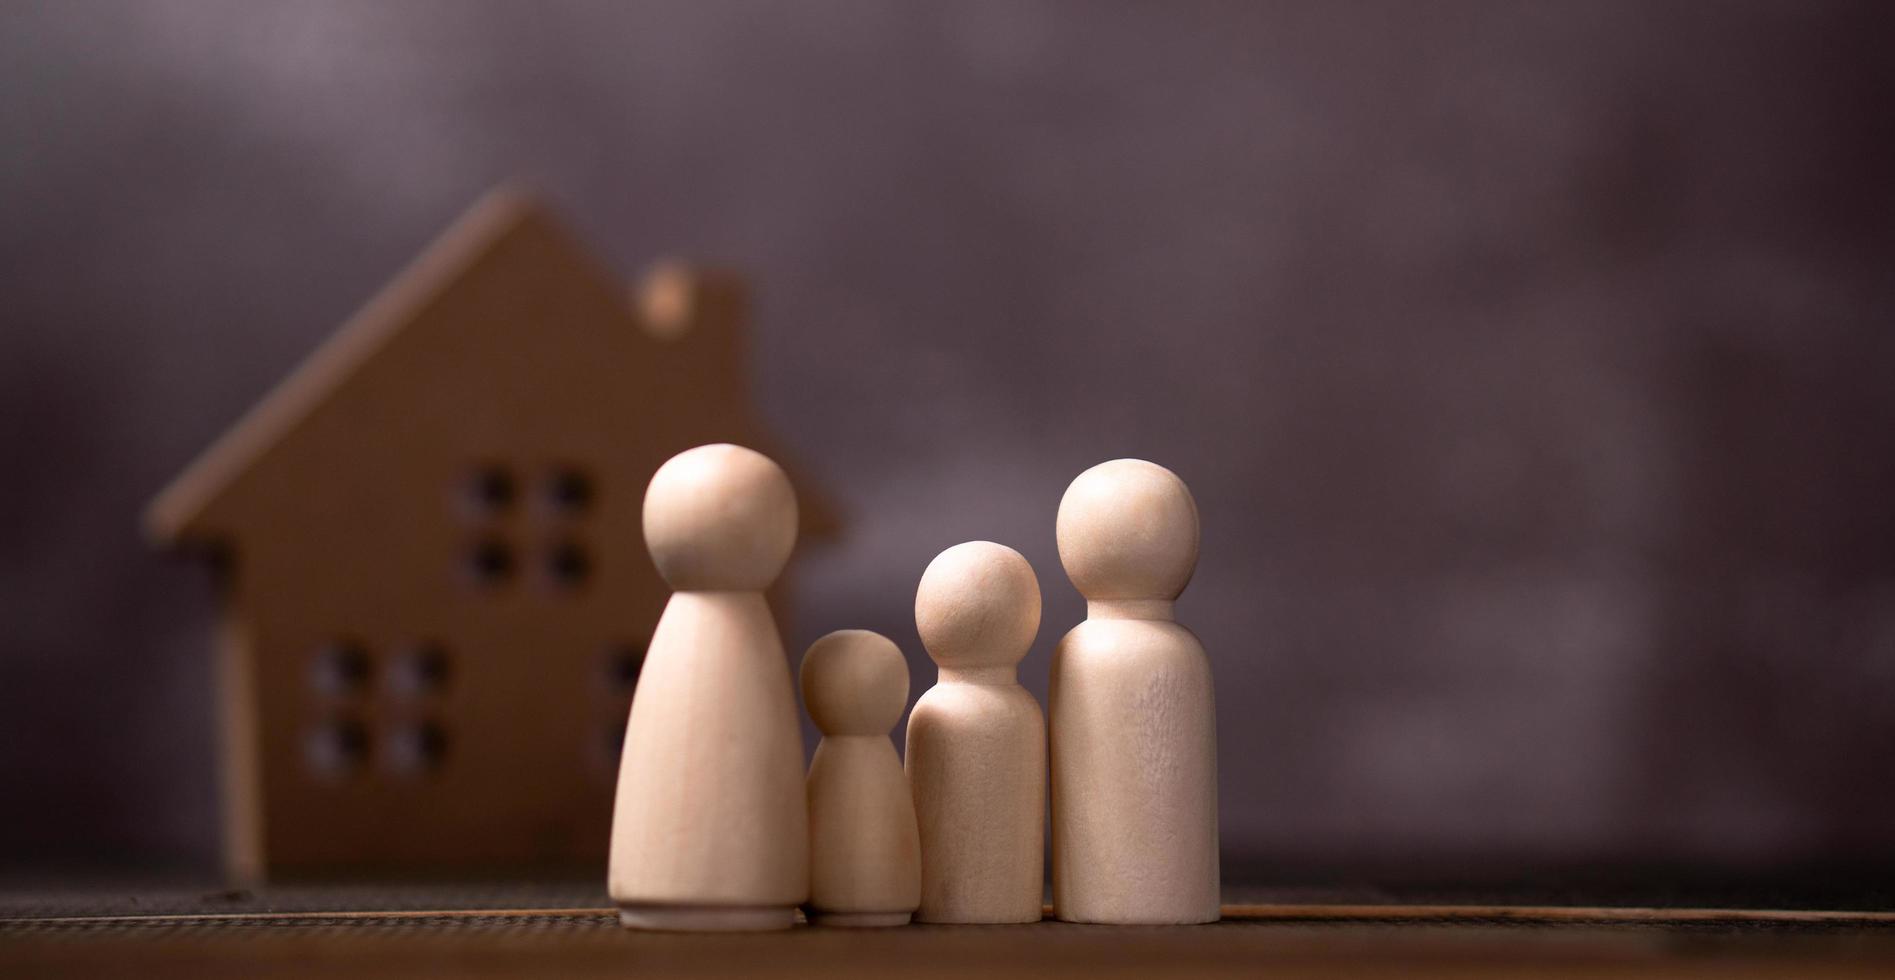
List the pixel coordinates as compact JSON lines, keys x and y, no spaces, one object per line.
{"x":443,"y":581}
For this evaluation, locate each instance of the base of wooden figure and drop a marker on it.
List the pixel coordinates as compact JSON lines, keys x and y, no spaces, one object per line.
{"x":707,"y":918}
{"x":951,"y":920}
{"x":859,"y":920}
{"x":1100,"y":920}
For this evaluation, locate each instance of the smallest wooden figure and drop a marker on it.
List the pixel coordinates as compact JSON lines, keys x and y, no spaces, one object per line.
{"x":865,"y":851}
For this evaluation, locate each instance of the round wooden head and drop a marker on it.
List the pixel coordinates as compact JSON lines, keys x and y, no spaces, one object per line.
{"x":720,"y":517}
{"x":978,"y":606}
{"x":1128,"y":529}
{"x":855,"y":682}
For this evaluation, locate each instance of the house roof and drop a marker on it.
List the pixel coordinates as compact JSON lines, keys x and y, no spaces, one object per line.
{"x":178,"y":513}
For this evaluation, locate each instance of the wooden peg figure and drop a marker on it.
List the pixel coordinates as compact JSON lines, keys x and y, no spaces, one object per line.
{"x":1133,"y":732}
{"x":864,"y":848}
{"x":977,"y":740}
{"x":710,"y":830}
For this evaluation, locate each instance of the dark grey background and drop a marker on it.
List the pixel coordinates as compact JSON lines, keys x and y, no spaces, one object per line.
{"x":1531,"y":363}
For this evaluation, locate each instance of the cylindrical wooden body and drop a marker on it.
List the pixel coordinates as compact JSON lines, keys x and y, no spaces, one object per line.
{"x":977,"y":764}
{"x":710,"y":809}
{"x":865,"y":850}
{"x":1134,"y":784}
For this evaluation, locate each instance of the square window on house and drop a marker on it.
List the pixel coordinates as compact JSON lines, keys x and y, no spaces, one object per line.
{"x":341,"y":668}
{"x":415,"y":748}
{"x":489,"y":562}
{"x":420,"y":670}
{"x":568,"y":491}
{"x":568,"y":565}
{"x":622,"y":663}
{"x":336,"y":748}
{"x":489,"y":490}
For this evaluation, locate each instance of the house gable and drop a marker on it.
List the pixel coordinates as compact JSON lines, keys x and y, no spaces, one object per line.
{"x":508,"y":253}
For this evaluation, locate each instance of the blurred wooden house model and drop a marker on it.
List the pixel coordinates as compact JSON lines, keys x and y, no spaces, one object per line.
{"x":436,"y":588}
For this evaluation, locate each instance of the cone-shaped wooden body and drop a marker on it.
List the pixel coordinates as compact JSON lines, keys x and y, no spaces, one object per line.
{"x":710,"y":828}
{"x":977,"y":741}
{"x":1133,"y":730}
{"x":864,"y":848}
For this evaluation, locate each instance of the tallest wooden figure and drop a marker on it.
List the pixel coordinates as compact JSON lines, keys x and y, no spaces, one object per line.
{"x":711,"y":827}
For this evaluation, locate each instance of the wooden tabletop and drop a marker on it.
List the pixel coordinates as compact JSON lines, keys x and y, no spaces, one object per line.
{"x":1275,"y":940}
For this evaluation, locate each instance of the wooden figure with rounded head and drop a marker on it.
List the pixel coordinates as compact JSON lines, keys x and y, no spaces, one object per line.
{"x":1133,"y":731}
{"x":864,"y":849}
{"x":710,"y":827}
{"x":977,"y":740}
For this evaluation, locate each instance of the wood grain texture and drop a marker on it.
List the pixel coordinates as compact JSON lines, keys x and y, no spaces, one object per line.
{"x":1133,"y":723}
{"x":1293,"y":941}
